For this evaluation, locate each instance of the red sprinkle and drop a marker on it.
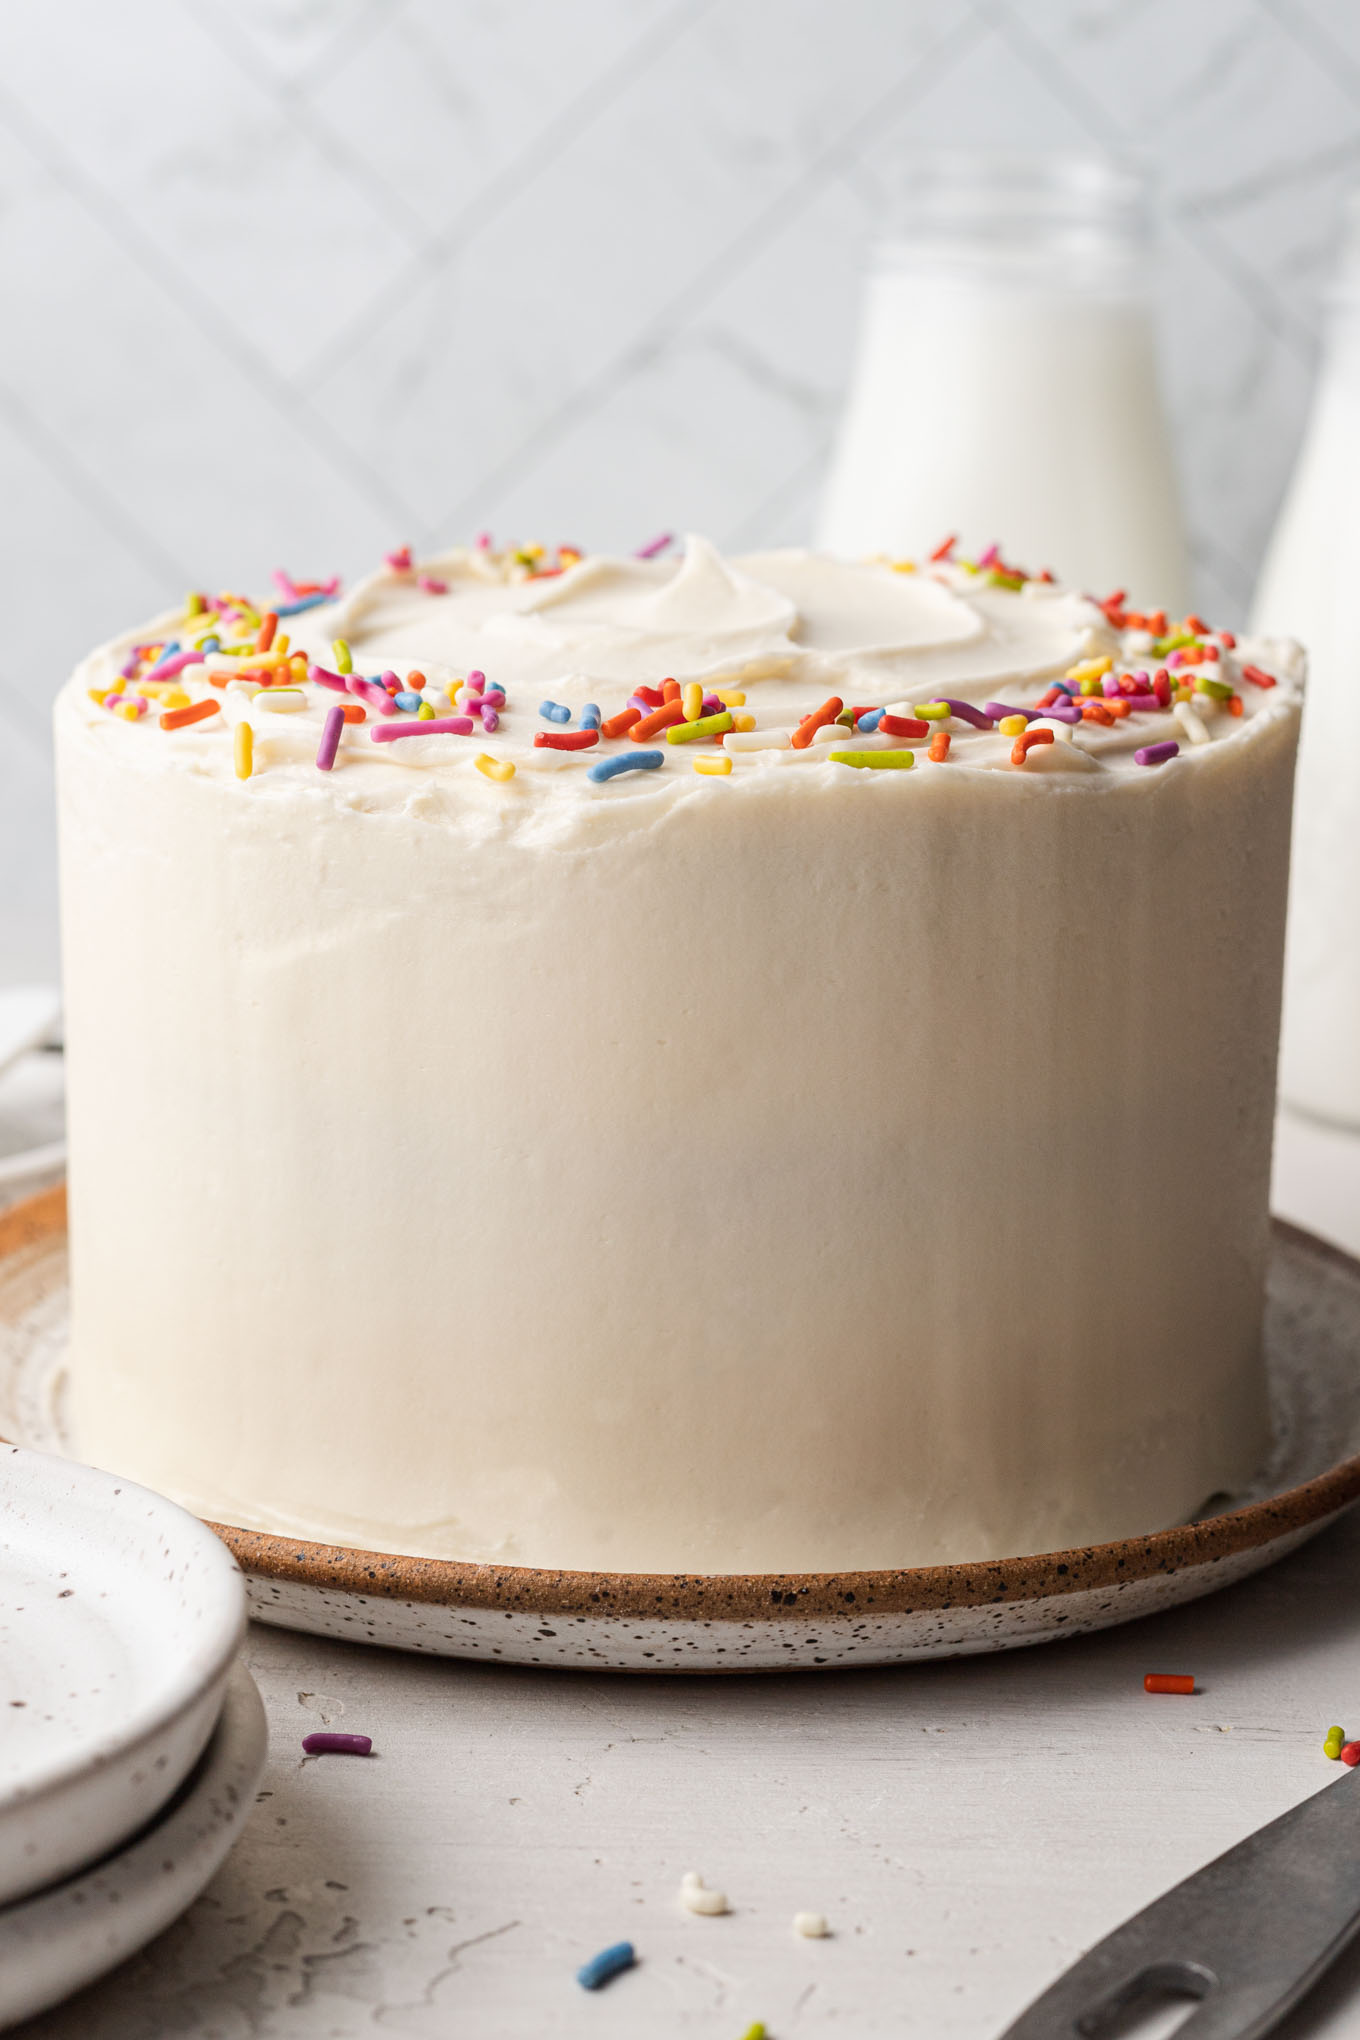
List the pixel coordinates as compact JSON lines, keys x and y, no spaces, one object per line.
{"x":904,"y":726}
{"x":652,"y":694}
{"x":566,"y":740}
{"x":1161,"y":686}
{"x":1257,"y":677}
{"x":1171,"y":1682}
{"x":1350,"y":1753}
{"x":942,"y":552}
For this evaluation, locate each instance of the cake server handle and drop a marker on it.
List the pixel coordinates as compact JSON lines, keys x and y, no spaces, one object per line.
{"x":1248,"y":1934}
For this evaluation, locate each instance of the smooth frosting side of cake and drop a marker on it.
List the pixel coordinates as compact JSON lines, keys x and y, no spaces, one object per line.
{"x":805,"y":1168}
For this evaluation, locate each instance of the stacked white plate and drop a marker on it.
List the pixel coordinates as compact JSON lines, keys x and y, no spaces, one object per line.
{"x":131,"y":1741}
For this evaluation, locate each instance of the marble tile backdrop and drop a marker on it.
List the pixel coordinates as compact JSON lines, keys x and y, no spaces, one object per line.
{"x":288,"y":280}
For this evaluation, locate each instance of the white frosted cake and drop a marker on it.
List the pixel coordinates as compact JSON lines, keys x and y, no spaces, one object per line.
{"x":673,"y":1063}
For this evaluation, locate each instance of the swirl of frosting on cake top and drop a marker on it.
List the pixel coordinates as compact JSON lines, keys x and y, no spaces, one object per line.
{"x":482,"y":677}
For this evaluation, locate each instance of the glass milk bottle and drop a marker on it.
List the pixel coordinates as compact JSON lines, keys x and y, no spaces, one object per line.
{"x":1310,"y":590}
{"x":1006,"y":386}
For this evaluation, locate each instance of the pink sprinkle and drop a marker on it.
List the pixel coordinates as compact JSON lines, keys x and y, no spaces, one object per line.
{"x":1109,"y":687}
{"x":477,"y":678}
{"x":112,"y":700}
{"x":712,"y":705}
{"x":325,"y":678}
{"x":400,"y":560}
{"x":328,"y":1742}
{"x":1143,"y":704}
{"x":330,"y":738}
{"x":285,"y":584}
{"x":175,"y":664}
{"x":439,"y":726}
{"x":432,"y":584}
{"x":990,"y":557}
{"x":128,"y":671}
{"x":483,"y":541}
{"x":654,"y":546}
{"x":369,"y":691}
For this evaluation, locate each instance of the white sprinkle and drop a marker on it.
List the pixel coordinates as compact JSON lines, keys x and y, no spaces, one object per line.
{"x":1062,"y":731}
{"x":757,"y":740}
{"x":695,"y":1896}
{"x":813,"y":1925}
{"x":280,"y":700}
{"x":1190,"y":722}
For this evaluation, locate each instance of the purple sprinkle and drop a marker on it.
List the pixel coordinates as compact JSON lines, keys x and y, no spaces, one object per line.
{"x":1143,"y":703}
{"x":327,"y":1742}
{"x":330,"y":738}
{"x":490,"y":719}
{"x":1063,"y":711}
{"x":967,"y":712}
{"x":712,"y":705}
{"x":996,"y":709}
{"x":1156,"y":754}
{"x":636,"y":701}
{"x":438,"y":726}
{"x":129,"y":671}
{"x":654,"y":546}
{"x":325,"y":678}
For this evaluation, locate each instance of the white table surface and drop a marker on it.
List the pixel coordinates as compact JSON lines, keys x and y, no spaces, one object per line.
{"x":967,"y":1827}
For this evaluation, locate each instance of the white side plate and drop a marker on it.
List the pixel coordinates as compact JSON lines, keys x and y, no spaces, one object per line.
{"x":120,"y":1616}
{"x":58,"y":1942}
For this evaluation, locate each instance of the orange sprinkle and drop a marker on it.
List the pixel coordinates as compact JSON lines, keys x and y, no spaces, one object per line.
{"x":618,"y":725}
{"x":1234,"y":704}
{"x":415,"y":680}
{"x":660,"y":719}
{"x":939,"y":747}
{"x":1169,"y":1682}
{"x":1156,"y":623}
{"x":269,"y":623}
{"x":1197,"y":625}
{"x":670,"y":690}
{"x":1096,"y":711}
{"x":819,"y":718}
{"x":353,"y":711}
{"x":1117,"y":708}
{"x":180,"y":718}
{"x":1022,"y":745}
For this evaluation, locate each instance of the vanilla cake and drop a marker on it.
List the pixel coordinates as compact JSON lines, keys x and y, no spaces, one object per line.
{"x":675,"y":1064}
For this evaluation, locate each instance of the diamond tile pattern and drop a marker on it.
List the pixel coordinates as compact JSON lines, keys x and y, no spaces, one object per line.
{"x":288,"y":281}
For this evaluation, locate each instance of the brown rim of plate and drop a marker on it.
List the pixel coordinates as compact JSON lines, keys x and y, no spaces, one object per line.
{"x":746,"y":1597}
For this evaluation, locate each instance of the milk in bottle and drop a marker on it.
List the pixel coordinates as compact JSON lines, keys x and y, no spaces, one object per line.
{"x":1310,"y":589}
{"x":1006,"y":380}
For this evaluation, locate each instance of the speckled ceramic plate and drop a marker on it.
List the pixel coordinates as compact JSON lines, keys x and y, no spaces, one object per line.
{"x":58,"y":1942}
{"x":762,"y":1622}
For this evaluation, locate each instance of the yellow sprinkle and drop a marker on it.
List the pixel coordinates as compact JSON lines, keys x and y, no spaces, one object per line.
{"x":341,"y":653}
{"x":933,"y":711}
{"x":152,"y":689}
{"x":245,"y":750}
{"x":280,"y":644}
{"x":715,"y":768}
{"x":731,"y":697}
{"x":174,"y":697}
{"x":904,"y":566}
{"x":880,"y":761}
{"x":281,"y":700}
{"x":494,"y":768}
{"x":97,"y":694}
{"x":193,"y":605}
{"x":743,"y":722}
{"x":1089,"y":669}
{"x":1013,"y":725}
{"x":692,"y":697}
{"x":127,"y":710}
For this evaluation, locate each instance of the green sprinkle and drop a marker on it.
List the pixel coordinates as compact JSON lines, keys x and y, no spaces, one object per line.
{"x":1331,"y":1746}
{"x":343,"y":662}
{"x":707,"y":726}
{"x":424,"y":713}
{"x":878,"y":761}
{"x":934,"y":711}
{"x":194,"y":605}
{"x":996,"y":579}
{"x":1218,"y":690}
{"x":756,"y":2032}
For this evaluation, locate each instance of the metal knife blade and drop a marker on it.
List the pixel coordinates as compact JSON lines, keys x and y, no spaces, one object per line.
{"x":1248,"y":1934}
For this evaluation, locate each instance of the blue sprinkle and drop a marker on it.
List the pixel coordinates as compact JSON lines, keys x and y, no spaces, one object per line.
{"x":1068,"y":689}
{"x":211,"y":644}
{"x":626,"y":761}
{"x":610,"y":1962}
{"x":871,"y":719}
{"x":590,"y":717}
{"x":553,"y":711}
{"x":408,"y":698}
{"x":303,"y":602}
{"x":167,"y":652}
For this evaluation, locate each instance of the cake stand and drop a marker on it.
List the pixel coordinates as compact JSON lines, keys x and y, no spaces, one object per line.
{"x":642,"y":1622}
